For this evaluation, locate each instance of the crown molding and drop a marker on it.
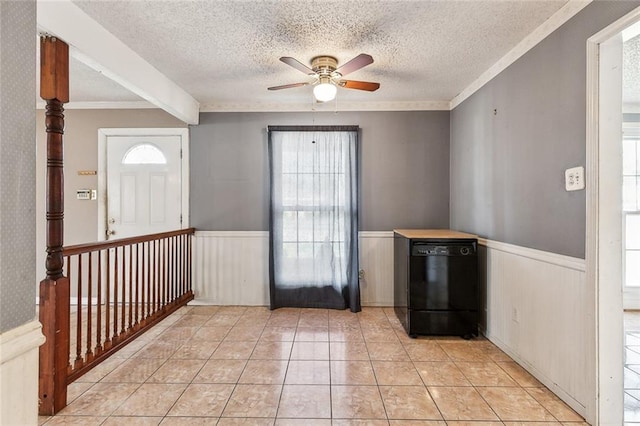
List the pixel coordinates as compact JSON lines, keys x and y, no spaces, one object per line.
{"x":327,"y":107}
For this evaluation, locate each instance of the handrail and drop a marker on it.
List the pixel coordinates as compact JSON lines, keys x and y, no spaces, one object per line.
{"x":102,"y":245}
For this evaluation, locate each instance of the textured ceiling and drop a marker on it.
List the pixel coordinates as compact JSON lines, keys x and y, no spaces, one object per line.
{"x":631,"y":75}
{"x":225,"y":53}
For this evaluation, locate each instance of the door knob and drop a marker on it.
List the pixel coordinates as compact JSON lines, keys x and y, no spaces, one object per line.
{"x":110,"y":232}
{"x":112,"y":220}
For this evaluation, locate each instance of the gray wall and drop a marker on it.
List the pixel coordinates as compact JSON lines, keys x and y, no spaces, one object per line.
{"x":507,"y":168}
{"x":17,"y":163}
{"x":404,"y":168}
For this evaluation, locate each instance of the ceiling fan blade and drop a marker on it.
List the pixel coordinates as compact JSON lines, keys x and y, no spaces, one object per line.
{"x":287,"y":86}
{"x":360,"y":61}
{"x":360,"y":85}
{"x":292,"y":62}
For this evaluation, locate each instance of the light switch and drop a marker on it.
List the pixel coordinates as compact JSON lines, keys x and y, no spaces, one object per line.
{"x":574,"y":179}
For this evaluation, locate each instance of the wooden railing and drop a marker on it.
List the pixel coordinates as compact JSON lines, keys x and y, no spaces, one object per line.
{"x":117,"y":290}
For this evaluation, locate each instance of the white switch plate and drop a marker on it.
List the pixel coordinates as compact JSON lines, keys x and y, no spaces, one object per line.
{"x":574,"y":179}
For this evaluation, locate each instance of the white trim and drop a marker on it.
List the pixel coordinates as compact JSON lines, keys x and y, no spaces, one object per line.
{"x":565,"y":13}
{"x":375,"y":234}
{"x":568,"y":262}
{"x":103,"y":135}
{"x":605,"y":296}
{"x":233,"y":234}
{"x":104,"y":105}
{"x":263,"y":234}
{"x":327,"y":107}
{"x":591,"y":226}
{"x":93,"y":45}
{"x":20,"y":340}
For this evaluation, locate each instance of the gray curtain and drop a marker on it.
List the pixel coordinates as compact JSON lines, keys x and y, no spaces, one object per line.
{"x":313,"y":254}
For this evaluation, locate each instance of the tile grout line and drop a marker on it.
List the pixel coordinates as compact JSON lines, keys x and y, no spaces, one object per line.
{"x":195,"y":375}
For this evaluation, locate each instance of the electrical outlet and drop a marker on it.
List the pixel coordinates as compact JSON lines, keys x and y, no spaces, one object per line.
{"x":574,"y":179}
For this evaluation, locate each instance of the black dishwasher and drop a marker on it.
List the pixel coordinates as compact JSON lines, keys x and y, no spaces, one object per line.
{"x":438,"y":291}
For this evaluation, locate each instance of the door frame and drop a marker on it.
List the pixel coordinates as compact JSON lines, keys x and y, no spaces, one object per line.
{"x":103,"y":136}
{"x":603,"y":248}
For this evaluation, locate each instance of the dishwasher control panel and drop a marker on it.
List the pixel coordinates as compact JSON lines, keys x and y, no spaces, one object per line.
{"x":442,"y":250}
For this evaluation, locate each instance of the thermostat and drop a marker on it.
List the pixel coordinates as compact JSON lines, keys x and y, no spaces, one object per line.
{"x":86,"y":194}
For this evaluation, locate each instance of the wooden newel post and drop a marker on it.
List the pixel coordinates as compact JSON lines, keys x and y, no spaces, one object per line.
{"x":54,"y":289}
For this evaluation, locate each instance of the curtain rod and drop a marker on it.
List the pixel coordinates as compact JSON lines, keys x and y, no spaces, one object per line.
{"x":313,"y":128}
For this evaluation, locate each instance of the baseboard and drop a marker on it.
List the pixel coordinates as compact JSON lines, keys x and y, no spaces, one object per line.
{"x":540,"y":376}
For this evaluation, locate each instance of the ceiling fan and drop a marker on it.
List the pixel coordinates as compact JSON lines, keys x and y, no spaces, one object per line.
{"x":327,"y":76}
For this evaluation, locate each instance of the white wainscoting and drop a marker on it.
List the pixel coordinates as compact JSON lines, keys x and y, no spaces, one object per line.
{"x":376,"y":260}
{"x":19,"y":373}
{"x":536,"y":311}
{"x":232,"y":268}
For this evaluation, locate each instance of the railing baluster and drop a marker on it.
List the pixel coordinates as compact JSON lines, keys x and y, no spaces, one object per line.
{"x":154,"y":271}
{"x":107,"y":336}
{"x":99,"y":306}
{"x":130,"y":298}
{"x":145,"y":278}
{"x":116,"y":274}
{"x":189,"y":265}
{"x":89,"y":353}
{"x":170,"y":269}
{"x":123,"y":286}
{"x":179,"y":280}
{"x":165,"y":274}
{"x":176,"y":268}
{"x":137,"y":275}
{"x":78,"y":359}
{"x":183,"y":256}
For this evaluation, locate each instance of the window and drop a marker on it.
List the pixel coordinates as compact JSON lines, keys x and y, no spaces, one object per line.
{"x":314,"y":229}
{"x":313,"y":199}
{"x":144,"y":153}
{"x":631,"y":205}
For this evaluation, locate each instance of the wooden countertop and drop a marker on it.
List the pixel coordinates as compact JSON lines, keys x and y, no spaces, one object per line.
{"x":433,"y":233}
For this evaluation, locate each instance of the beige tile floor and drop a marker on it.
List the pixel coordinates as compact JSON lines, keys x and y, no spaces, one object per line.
{"x":207,"y":365}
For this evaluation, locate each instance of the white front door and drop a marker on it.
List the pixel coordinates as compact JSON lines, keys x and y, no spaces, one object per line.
{"x":144,"y":185}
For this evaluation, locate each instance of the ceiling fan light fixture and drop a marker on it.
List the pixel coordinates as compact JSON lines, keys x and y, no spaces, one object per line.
{"x":325,"y":91}
{"x":328,"y":76}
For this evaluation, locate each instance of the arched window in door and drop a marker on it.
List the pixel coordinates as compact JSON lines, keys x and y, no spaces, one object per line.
{"x":144,"y":153}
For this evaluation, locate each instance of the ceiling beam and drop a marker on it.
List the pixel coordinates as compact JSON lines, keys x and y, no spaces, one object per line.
{"x":97,"y":48}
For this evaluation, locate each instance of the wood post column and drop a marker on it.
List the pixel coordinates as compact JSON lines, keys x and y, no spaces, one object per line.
{"x":54,"y":289}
